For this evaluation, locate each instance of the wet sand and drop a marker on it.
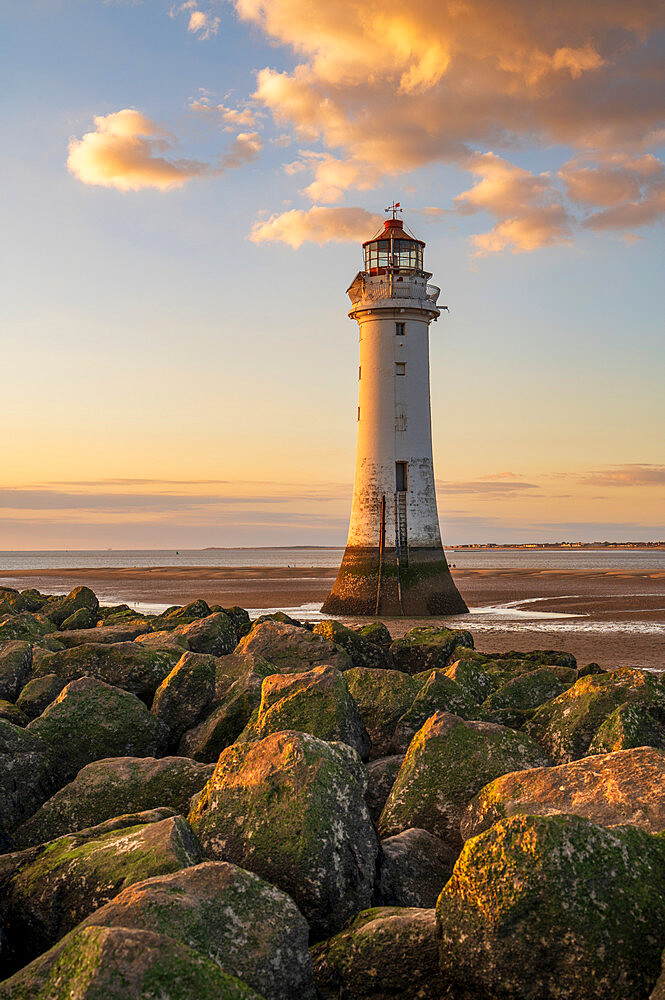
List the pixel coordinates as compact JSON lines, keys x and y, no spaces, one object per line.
{"x":622,"y":623}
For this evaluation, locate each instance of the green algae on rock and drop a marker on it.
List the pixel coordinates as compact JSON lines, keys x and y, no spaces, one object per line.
{"x":38,"y":693}
{"x":427,"y":647}
{"x":11,"y":713}
{"x":376,"y":632}
{"x":90,"y":720}
{"x":15,"y":667}
{"x":59,"y":609}
{"x":557,"y":907}
{"x":316,"y":701}
{"x":107,"y":788}
{"x":630,"y":726}
{"x":622,"y":788}
{"x":26,"y":774}
{"x":363,"y":652}
{"x":437,"y":693}
{"x":48,"y":890}
{"x":123,"y":664}
{"x":386,"y":953}
{"x":305,"y":826}
{"x":565,"y":726}
{"x":245,"y":925}
{"x":382,"y":696}
{"x":531,"y":689}
{"x":448,"y":761}
{"x":114,"y":963}
{"x":472,"y":678}
{"x":185,"y":693}
{"x":292,"y":649}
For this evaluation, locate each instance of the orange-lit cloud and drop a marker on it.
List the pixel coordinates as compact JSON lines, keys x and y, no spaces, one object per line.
{"x":628,"y":475}
{"x":317,"y":225}
{"x":204,"y":24}
{"x":129,"y":152}
{"x":126,"y":151}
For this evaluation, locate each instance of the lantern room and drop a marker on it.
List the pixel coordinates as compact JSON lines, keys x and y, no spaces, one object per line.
{"x":393,"y":250}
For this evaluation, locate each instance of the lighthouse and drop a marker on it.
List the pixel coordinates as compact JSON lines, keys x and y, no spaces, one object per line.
{"x":394,"y":563}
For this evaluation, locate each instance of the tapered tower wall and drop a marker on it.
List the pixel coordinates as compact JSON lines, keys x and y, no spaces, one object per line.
{"x":394,"y":563}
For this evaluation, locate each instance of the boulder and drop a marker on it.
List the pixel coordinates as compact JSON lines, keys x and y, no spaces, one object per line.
{"x":163,"y":640}
{"x":59,"y":609}
{"x":316,"y":701}
{"x":90,"y":720}
{"x":554,"y":906}
{"x":387,"y":953}
{"x":472,"y":678}
{"x":382,"y":696}
{"x":376,"y":632}
{"x":107,"y":788}
{"x":230,"y":712}
{"x":177,"y":615}
{"x":48,"y":890}
{"x":215,"y":634}
{"x":15,"y":667}
{"x":448,"y":762}
{"x":437,"y":694}
{"x":614,"y":789}
{"x":184,"y":695}
{"x":25,"y":600}
{"x":630,"y":726}
{"x":415,"y":866}
{"x":38,"y":693}
{"x":565,"y":726}
{"x":531,"y":689}
{"x":124,"y":664}
{"x":11,"y":713}
{"x":381,"y":778}
{"x":304,"y":824}
{"x":84,"y":618}
{"x":113,"y":633}
{"x":234,"y":918}
{"x":28,"y":627}
{"x":112,"y":963}
{"x":26,"y":774}
{"x":363,"y":652}
{"x":426,"y":648}
{"x":291,"y":649}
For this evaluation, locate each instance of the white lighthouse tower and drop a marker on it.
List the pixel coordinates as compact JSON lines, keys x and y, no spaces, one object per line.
{"x":394,"y":563}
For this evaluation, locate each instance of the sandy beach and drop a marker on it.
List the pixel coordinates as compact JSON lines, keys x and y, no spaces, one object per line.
{"x":620,"y":615}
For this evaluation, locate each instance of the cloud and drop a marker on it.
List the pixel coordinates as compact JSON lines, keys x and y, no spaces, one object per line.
{"x":500,"y":484}
{"x":530,"y":213}
{"x":317,"y":225}
{"x":245,"y":149}
{"x":628,"y":475}
{"x":629,"y":190}
{"x":129,"y":152}
{"x":204,"y":24}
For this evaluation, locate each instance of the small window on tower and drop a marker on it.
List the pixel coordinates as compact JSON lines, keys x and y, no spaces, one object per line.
{"x":401,"y":476}
{"x":358,"y":413}
{"x":400,"y":368}
{"x":400,"y":329}
{"x":360,"y":372}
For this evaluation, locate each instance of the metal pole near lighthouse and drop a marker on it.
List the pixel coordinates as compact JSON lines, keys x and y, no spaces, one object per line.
{"x":394,"y":563}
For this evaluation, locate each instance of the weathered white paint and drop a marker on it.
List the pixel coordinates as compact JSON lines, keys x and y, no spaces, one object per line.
{"x":394,"y":422}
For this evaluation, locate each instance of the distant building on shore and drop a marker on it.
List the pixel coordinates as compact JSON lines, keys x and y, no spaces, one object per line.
{"x":394,"y":563}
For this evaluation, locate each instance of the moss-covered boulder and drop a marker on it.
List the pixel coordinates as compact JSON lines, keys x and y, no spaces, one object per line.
{"x":215,"y":634}
{"x":316,"y":701}
{"x":386,"y":953}
{"x":565,"y":726}
{"x":448,"y":762}
{"x":304,"y":824}
{"x":531,"y":689}
{"x":376,"y":632}
{"x":26,"y":774}
{"x":113,"y":963}
{"x":48,"y":890}
{"x":363,"y":652}
{"x":117,"y":785}
{"x":233,"y":703}
{"x":630,"y":726}
{"x":25,"y":600}
{"x":382,"y":696}
{"x":426,"y":648}
{"x":554,"y":906}
{"x":626,"y":787}
{"x":415,"y":866}
{"x":38,"y":693}
{"x":381,"y":776}
{"x":165,"y":639}
{"x":181,"y":615}
{"x":15,"y":667}
{"x":124,"y":664}
{"x":291,"y":649}
{"x":11,"y":713}
{"x":90,"y":720}
{"x":108,"y":633}
{"x":83,"y":618}
{"x":185,"y":693}
{"x":472,"y":678}
{"x":248,"y":927}
{"x":28,"y":627}
{"x":59,"y":609}
{"x":438,"y":693}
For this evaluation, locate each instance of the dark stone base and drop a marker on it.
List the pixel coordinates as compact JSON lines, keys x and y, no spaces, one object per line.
{"x":426,"y":585}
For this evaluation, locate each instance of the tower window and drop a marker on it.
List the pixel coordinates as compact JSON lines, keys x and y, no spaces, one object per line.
{"x":358,"y":413}
{"x":401,"y":476}
{"x":400,"y":368}
{"x":360,"y":372}
{"x":400,"y":329}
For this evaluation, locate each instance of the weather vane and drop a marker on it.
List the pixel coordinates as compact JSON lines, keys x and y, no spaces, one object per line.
{"x":394,"y":208}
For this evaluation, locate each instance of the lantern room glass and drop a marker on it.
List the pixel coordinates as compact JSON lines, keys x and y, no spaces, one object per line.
{"x":405,"y":253}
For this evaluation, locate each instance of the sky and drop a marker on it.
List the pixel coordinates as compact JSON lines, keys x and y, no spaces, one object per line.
{"x":185,"y":188}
